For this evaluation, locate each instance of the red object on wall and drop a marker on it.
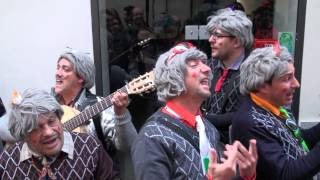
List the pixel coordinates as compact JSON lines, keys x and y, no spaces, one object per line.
{"x":260,"y":43}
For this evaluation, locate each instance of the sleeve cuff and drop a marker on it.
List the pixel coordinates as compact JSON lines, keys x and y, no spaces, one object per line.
{"x":123,"y":119}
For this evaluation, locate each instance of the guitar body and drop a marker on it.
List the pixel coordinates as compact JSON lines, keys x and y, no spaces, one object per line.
{"x":70,"y":113}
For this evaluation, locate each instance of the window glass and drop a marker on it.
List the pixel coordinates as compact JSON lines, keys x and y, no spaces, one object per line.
{"x":139,"y":31}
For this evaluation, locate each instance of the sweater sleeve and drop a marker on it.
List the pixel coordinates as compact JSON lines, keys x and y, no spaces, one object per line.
{"x":150,"y":159}
{"x":125,"y":132}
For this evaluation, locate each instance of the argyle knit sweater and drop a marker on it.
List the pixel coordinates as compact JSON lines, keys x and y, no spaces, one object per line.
{"x":90,"y":161}
{"x":160,"y":153}
{"x":281,"y":156}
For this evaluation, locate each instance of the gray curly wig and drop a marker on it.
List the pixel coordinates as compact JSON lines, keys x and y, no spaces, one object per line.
{"x":235,"y":23}
{"x":24,"y":114}
{"x":83,"y":66}
{"x":170,"y":72}
{"x":262,"y":66}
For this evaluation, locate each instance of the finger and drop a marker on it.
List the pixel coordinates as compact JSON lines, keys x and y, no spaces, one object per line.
{"x":228,"y":146}
{"x":242,"y":158}
{"x":253,"y":148}
{"x":243,"y":150}
{"x":213,"y":156}
{"x":242,"y":164}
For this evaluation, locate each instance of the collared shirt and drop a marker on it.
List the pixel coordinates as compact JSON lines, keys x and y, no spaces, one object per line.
{"x":68,"y":148}
{"x":179,"y":112}
{"x":235,"y":66}
{"x":265,"y":104}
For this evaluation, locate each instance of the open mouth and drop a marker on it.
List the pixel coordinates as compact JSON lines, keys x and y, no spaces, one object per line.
{"x":59,"y":81}
{"x":205,"y":82}
{"x":50,"y":140}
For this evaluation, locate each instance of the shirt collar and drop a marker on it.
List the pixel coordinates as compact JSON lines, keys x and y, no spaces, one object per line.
{"x":68,"y":148}
{"x":236,"y":65}
{"x":178,"y":111}
{"x":265,"y":104}
{"x":73,"y":102}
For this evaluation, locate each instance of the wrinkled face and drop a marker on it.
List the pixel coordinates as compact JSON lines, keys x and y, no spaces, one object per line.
{"x":47,"y":138}
{"x":222,"y":44}
{"x":66,"y":78}
{"x":197,"y":79}
{"x":280,"y":91}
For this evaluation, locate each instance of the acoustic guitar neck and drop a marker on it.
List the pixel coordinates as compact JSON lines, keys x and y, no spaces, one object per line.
{"x":91,"y":111}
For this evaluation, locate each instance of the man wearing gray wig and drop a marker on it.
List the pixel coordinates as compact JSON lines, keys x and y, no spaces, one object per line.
{"x":75,"y":75}
{"x":83,"y":66}
{"x":177,"y":142}
{"x":44,"y":149}
{"x":230,"y":40}
{"x":24,"y":114}
{"x":285,"y":151}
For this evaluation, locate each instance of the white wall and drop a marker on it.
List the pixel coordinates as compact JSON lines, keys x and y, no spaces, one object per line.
{"x":33,"y":34}
{"x":310,"y":82}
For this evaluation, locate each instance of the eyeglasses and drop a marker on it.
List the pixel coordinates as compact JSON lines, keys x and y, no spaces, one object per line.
{"x":179,"y":49}
{"x":217,"y":35}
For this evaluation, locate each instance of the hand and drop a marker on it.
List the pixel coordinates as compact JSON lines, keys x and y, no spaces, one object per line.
{"x":120,"y":101}
{"x":225,"y":170}
{"x":247,"y":160}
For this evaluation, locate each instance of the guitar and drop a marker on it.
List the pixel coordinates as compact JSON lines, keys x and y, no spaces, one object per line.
{"x":73,"y":119}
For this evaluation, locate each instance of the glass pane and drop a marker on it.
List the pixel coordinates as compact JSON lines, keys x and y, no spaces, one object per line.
{"x":273,"y":20}
{"x":139,"y":31}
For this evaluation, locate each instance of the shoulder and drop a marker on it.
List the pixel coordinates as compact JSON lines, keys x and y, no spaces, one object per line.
{"x":244,"y":110}
{"x":157,"y":131}
{"x":243,"y":120}
{"x":152,"y":127}
{"x":12,"y":154}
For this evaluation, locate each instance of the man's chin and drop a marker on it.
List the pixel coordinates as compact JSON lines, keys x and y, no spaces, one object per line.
{"x":57,"y":89}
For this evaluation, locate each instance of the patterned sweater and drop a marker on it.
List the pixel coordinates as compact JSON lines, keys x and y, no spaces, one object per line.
{"x":89,"y":161}
{"x":281,"y":156}
{"x":220,"y":106}
{"x":160,"y":153}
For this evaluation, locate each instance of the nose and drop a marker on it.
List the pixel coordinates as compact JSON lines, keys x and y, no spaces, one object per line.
{"x":212,"y":38}
{"x":58,"y":72}
{"x":295,"y":83}
{"x":205,"y":69}
{"x":47,"y":130}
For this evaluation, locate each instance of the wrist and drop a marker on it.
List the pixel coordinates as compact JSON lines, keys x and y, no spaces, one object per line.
{"x":120,"y":116}
{"x":253,"y":177}
{"x":209,"y":177}
{"x":123,"y":118}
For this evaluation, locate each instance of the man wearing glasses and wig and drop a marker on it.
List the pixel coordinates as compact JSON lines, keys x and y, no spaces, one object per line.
{"x":230,"y":40}
{"x":285,"y":151}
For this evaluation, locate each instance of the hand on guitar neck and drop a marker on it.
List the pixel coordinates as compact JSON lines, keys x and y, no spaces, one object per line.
{"x":120,"y":101}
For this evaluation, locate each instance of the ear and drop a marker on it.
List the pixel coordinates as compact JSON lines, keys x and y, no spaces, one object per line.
{"x":80,"y":80}
{"x":264,"y":88}
{"x":237,"y":42}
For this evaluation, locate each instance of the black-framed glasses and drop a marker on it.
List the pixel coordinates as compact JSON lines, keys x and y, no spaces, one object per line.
{"x":217,"y":35}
